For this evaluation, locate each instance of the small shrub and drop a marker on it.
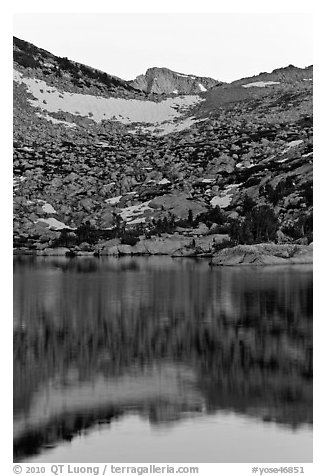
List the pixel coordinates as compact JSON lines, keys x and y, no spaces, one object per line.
{"x":85,"y":247}
{"x":128,"y":239}
{"x":263,"y":223}
{"x":224,"y":244}
{"x":259,"y":225}
{"x":282,"y":189}
{"x":248,"y":204}
{"x":301,"y":228}
{"x":240,"y":232}
{"x":26,"y":60}
{"x":214,"y":215}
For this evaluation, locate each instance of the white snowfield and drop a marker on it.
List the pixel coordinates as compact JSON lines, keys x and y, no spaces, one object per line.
{"x":221,"y":201}
{"x":207,"y":180}
{"x":169,"y":127}
{"x":48,"y":208}
{"x":53,"y":223}
{"x":202,"y":88}
{"x":113,"y":200}
{"x":136,"y":221}
{"x":245,"y":165}
{"x":291,"y":144}
{"x":232,"y":186}
{"x":283,"y":160}
{"x":294,"y":143}
{"x":185,"y":76}
{"x":164,"y":181}
{"x":225,"y":198}
{"x":126,"y":111}
{"x":260,"y":84}
{"x":55,"y":121}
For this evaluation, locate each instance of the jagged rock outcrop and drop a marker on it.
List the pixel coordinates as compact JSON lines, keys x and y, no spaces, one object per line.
{"x":166,"y":81}
{"x":179,"y":204}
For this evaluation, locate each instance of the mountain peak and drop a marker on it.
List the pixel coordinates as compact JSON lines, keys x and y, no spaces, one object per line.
{"x":162,"y":80}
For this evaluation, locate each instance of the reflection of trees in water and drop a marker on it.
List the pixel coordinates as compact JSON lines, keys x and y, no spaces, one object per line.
{"x":246,"y":333}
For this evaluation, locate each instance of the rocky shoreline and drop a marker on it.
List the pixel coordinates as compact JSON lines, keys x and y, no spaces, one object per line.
{"x":170,"y":245}
{"x":261,"y":254}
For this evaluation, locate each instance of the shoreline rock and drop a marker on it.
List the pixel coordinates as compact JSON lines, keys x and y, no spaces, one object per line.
{"x":170,"y":245}
{"x":264,"y":254}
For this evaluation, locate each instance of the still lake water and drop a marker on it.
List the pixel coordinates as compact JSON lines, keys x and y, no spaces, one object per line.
{"x":161,"y":360}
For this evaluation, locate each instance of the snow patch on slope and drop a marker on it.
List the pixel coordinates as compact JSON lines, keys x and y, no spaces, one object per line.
{"x":169,"y":127}
{"x":55,"y":121}
{"x":260,"y":84}
{"x":185,"y":76}
{"x":113,"y":200}
{"x":225,"y":198}
{"x":48,"y":208}
{"x":136,"y":221}
{"x":53,"y":223}
{"x":126,"y":111}
{"x":164,"y":181}
{"x":222,"y":202}
{"x":291,"y":144}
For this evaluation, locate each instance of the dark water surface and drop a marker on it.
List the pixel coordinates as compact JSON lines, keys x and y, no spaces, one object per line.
{"x":161,"y":360}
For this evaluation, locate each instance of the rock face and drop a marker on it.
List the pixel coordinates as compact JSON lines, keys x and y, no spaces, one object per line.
{"x":263,"y":254}
{"x":165,"y":81}
{"x":179,"y":204}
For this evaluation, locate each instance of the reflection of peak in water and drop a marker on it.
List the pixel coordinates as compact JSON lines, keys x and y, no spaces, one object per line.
{"x":163,"y":394}
{"x":68,"y":426}
{"x":246,"y":332}
{"x":170,"y":383}
{"x":264,"y":395}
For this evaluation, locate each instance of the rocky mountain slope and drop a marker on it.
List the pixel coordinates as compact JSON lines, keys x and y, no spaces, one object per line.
{"x":290,"y":75}
{"x":72,"y":76}
{"x":100,"y":163}
{"x":163,"y":80}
